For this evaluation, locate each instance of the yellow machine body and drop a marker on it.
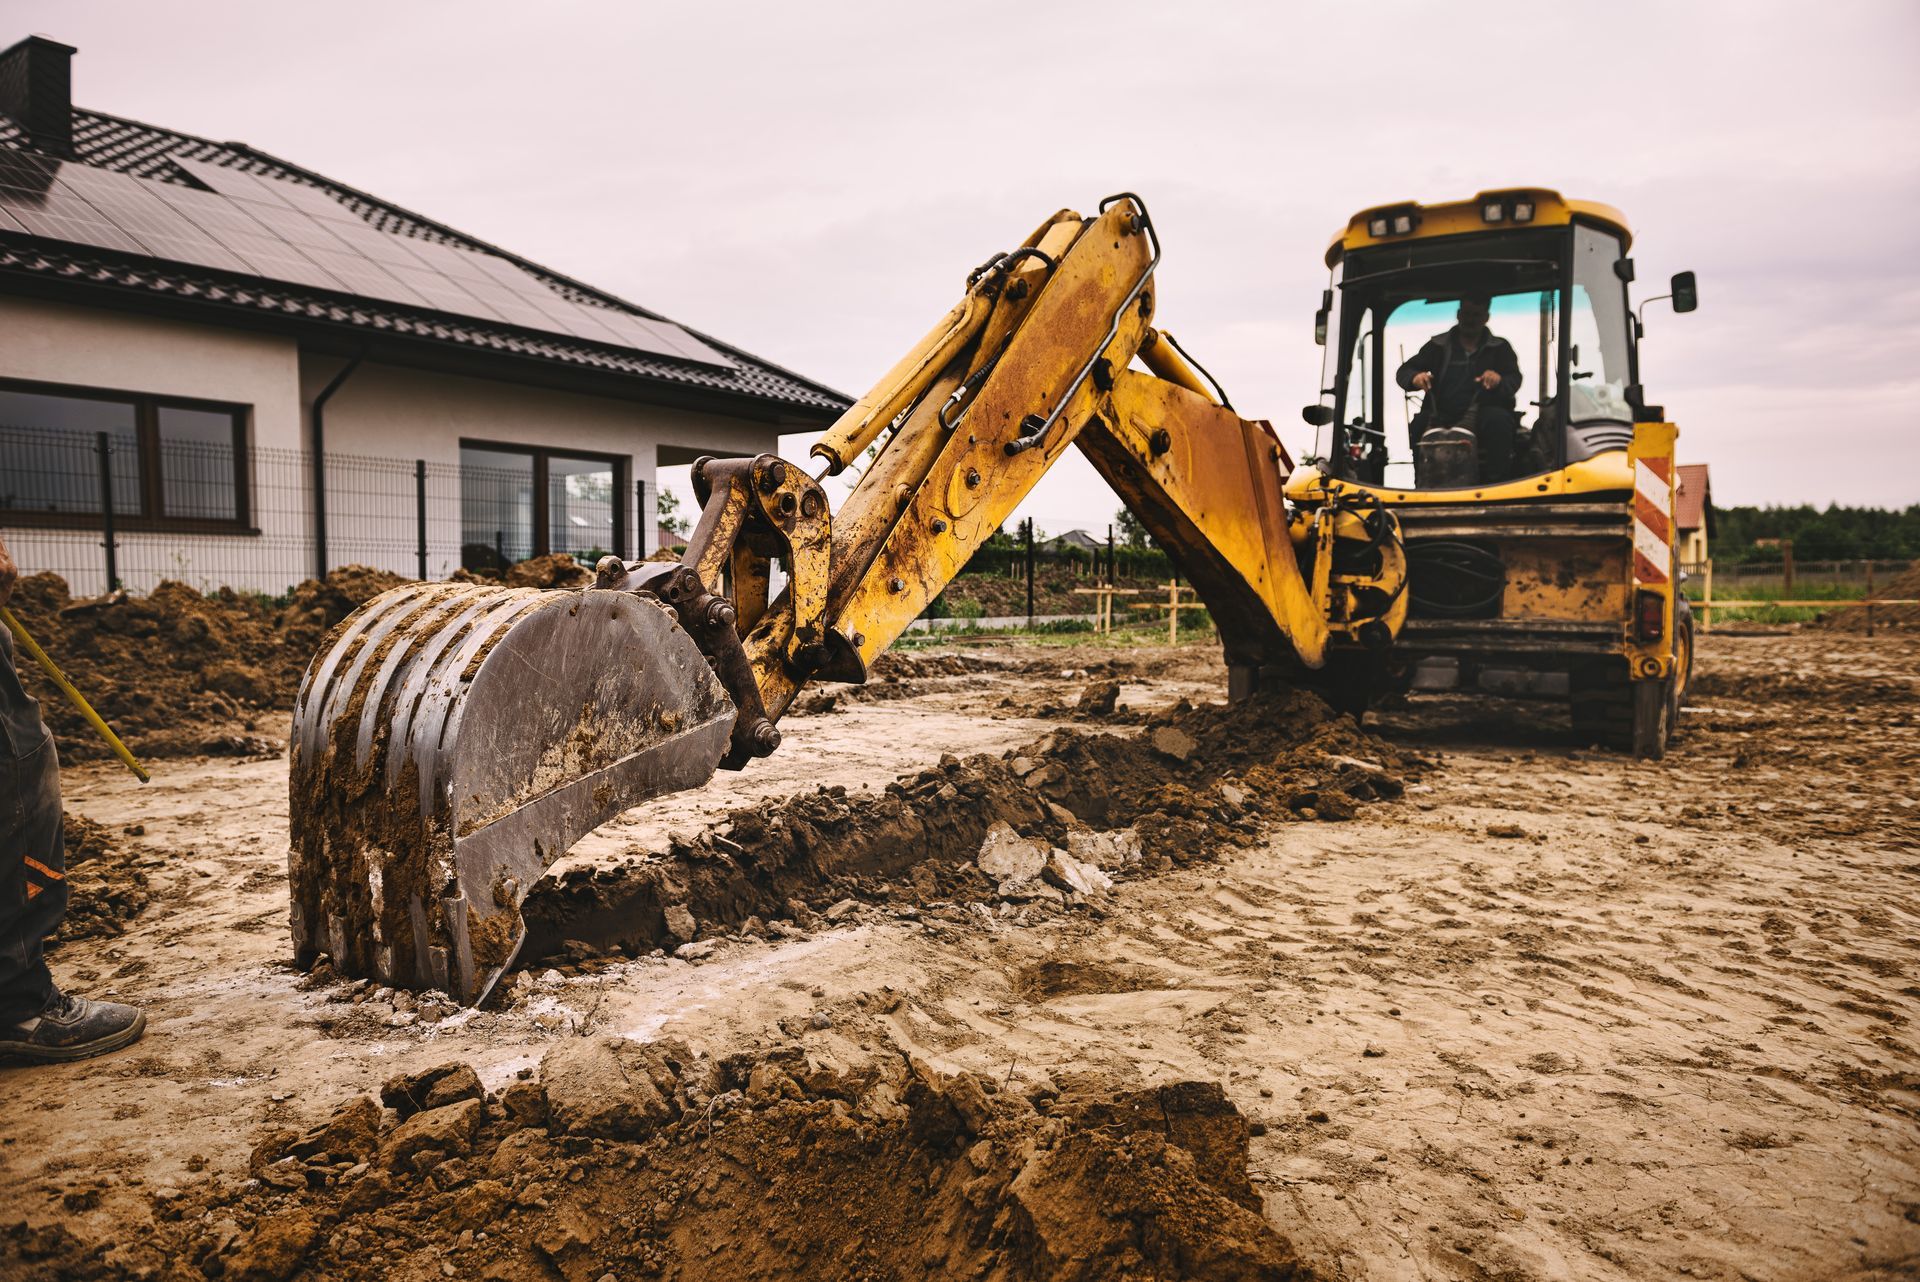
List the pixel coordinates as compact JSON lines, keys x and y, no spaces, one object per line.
{"x":1586,"y":606}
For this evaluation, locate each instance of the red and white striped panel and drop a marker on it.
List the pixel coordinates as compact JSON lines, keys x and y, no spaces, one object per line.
{"x":1653,"y":519}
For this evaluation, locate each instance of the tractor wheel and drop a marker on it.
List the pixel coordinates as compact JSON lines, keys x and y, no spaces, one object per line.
{"x":1652,"y":717}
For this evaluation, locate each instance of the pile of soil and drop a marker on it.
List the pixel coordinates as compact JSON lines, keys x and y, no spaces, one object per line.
{"x":556,"y":570}
{"x":1193,"y":782}
{"x":177,"y":673}
{"x":107,"y":881}
{"x":628,"y":1160}
{"x":1905,"y":587}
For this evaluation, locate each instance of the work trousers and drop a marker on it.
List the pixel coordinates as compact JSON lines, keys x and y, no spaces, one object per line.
{"x":33,"y":865}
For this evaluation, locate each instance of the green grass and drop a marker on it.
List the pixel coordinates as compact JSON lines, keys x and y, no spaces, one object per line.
{"x":1773,"y":592}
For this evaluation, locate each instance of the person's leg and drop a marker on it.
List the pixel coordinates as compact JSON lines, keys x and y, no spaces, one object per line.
{"x":38,"y":1021}
{"x":33,"y":878}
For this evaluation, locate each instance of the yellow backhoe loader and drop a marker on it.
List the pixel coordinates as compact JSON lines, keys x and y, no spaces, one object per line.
{"x":452,"y":740}
{"x":1537,"y":506}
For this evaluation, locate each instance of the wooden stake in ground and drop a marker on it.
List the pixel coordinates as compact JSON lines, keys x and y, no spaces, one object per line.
{"x":1172,"y":605}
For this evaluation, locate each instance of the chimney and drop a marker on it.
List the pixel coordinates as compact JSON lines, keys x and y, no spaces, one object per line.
{"x":36,"y":89}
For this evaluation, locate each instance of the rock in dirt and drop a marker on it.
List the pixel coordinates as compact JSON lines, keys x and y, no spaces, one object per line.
{"x":1171,"y":741}
{"x":1075,"y":877}
{"x":437,"y":1087}
{"x":446,"y":1131}
{"x":1009,"y":858}
{"x":1118,"y":848}
{"x":1099,"y":699}
{"x":589,"y":1092}
{"x":680,"y":923}
{"x":274,"y":1250}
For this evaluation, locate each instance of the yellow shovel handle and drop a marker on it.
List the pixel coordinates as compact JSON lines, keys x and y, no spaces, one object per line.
{"x":78,"y":700}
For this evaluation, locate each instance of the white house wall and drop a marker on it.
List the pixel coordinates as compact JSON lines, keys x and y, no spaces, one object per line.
{"x":394,"y":413}
{"x":118,"y":351}
{"x":378,"y":424}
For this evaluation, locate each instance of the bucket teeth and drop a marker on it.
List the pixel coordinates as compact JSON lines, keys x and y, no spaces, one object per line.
{"x":451,"y":741}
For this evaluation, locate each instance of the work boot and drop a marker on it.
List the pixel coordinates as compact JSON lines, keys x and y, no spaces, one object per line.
{"x":72,"y":1028}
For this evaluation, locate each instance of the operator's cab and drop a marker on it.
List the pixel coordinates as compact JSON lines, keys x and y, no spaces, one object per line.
{"x":1552,"y":276}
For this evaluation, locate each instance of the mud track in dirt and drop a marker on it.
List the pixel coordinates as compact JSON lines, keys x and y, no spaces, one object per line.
{"x":1551,"y":1014}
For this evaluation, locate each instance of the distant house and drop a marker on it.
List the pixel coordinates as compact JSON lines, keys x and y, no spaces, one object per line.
{"x":1693,"y":512}
{"x":1075,"y":541}
{"x":256,"y":371}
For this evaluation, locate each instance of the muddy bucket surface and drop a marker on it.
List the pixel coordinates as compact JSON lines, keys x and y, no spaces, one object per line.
{"x":452,"y":740}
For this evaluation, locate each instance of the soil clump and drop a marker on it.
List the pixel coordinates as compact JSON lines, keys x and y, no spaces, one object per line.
{"x":1191,"y":783}
{"x":648,"y":1160}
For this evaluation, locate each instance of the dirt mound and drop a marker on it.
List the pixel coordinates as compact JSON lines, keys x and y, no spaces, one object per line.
{"x":176,"y":673}
{"x":557,"y":570}
{"x":1905,"y":587}
{"x":317,"y":604}
{"x":1190,"y":783}
{"x":646,"y":1160}
{"x":107,"y":881}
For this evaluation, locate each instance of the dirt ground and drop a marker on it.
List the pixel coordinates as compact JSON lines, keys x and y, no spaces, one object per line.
{"x":1552,"y":1013}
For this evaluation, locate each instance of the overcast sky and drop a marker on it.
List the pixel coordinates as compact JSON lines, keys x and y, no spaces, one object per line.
{"x":812,"y":181}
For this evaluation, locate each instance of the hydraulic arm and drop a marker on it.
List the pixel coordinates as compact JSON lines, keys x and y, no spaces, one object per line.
{"x":452,"y":741}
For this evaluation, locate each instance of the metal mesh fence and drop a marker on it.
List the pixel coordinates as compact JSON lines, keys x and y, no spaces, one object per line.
{"x":196,"y":512}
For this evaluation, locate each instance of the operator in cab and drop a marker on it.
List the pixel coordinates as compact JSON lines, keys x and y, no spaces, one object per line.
{"x":1470,"y":376}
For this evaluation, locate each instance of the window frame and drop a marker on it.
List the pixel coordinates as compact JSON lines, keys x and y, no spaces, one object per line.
{"x":152,"y":516}
{"x":542,"y":541}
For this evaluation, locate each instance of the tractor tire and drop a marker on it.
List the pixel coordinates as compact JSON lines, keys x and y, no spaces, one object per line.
{"x":1653,"y":701}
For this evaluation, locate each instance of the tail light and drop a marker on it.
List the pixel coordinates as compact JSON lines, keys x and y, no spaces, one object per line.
{"x":1649,"y":615}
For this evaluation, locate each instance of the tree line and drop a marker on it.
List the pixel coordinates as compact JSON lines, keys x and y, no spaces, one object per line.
{"x":1835,"y":533}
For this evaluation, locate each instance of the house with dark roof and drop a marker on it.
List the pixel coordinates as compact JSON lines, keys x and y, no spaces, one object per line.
{"x":223,"y":368}
{"x":1693,"y":512}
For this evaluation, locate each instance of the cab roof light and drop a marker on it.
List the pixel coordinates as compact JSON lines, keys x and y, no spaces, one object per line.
{"x":1523,"y":211}
{"x":1492,"y":212}
{"x":1376,"y":227}
{"x":1402,"y":224}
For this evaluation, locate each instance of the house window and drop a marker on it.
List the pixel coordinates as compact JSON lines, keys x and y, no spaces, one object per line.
{"x":518,"y":502}
{"x":171,"y":463}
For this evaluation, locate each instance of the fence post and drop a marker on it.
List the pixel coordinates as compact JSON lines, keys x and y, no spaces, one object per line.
{"x":640,"y":522}
{"x":1029,"y":534}
{"x":1706,"y":611}
{"x":500,"y":549}
{"x":1786,"y":552}
{"x":104,"y":448}
{"x":420,"y":512}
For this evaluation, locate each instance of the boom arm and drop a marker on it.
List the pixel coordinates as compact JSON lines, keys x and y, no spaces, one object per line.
{"x":1036,"y":359}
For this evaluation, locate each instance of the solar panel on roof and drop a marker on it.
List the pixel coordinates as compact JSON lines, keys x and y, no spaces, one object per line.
{"x":364,"y":276}
{"x":288,"y":231}
{"x":236,"y":183}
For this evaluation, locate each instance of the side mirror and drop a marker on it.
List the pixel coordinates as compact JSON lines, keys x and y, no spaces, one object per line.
{"x":1317,"y":415}
{"x":1686,"y":293}
{"x":1320,"y":317}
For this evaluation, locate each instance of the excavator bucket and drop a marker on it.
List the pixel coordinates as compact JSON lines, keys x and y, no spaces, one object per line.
{"x":452,"y":740}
